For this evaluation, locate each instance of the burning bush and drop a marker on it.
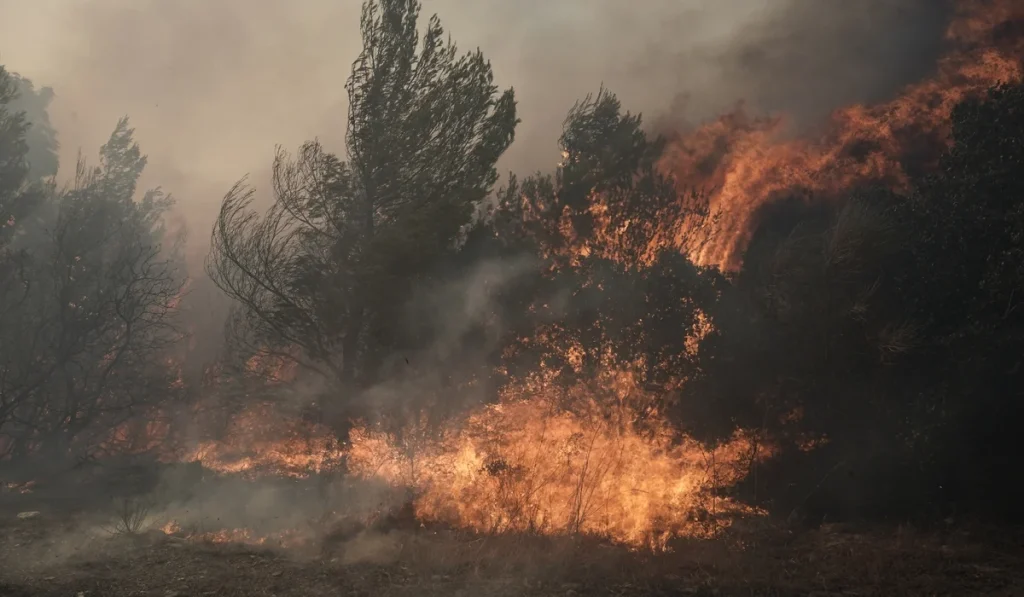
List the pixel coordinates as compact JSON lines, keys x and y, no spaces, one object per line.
{"x":560,"y":465}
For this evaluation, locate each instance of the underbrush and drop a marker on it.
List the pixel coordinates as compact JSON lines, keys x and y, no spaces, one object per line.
{"x":326,"y":529}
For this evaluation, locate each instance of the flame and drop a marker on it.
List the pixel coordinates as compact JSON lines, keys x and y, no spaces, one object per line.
{"x":561,"y":462}
{"x":262,"y":441}
{"x":274,"y":368}
{"x":544,"y":462}
{"x":22,"y":487}
{"x":138,"y":436}
{"x":747,"y":161}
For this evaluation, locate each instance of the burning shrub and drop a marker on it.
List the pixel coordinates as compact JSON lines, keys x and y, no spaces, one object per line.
{"x":532,"y":465}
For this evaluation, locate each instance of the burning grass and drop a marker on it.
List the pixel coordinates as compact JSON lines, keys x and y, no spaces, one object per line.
{"x":546,"y":460}
{"x":261,"y":440}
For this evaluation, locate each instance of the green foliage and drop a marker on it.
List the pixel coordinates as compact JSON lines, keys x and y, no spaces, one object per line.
{"x":16,"y":200}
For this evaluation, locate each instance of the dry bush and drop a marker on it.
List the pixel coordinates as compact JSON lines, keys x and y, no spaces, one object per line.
{"x":132,"y":513}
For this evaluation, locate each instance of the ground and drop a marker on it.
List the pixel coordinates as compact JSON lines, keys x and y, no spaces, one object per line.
{"x":66,"y":547}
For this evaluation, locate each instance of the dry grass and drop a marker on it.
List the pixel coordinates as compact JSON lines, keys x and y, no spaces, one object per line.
{"x":763,"y":561}
{"x":55,"y":553}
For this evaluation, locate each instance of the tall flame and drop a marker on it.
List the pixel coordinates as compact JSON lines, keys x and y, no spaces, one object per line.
{"x":747,"y":162}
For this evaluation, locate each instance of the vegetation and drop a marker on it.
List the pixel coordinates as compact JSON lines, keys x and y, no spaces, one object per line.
{"x":330,"y":267}
{"x":875,"y":340}
{"x":89,"y":285}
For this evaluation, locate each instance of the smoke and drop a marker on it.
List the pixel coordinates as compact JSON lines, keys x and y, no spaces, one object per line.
{"x":813,"y":57}
{"x":212,"y":87}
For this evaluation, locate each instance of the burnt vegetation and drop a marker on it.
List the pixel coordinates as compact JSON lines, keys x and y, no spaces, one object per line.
{"x":874,"y":341}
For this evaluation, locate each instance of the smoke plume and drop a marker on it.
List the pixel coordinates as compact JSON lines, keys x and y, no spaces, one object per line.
{"x":212,"y":87}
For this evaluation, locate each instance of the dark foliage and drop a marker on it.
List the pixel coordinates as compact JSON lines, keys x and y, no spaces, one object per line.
{"x":326,"y":277}
{"x":885,"y":331}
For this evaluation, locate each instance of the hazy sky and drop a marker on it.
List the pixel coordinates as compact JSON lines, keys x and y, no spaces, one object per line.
{"x":212,"y":85}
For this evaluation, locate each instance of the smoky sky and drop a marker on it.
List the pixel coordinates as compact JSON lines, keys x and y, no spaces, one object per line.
{"x":821,"y":54}
{"x":212,"y":85}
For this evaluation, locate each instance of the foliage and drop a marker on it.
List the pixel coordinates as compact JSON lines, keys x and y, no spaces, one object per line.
{"x":87,"y":302}
{"x":605,"y":297}
{"x":874,"y":340}
{"x":327,"y":274}
{"x":17,"y":200}
{"x":964,"y":281}
{"x":884,"y":331}
{"x":40,"y":135}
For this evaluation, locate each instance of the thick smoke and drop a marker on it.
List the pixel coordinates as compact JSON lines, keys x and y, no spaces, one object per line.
{"x":813,"y":57}
{"x":212,"y":87}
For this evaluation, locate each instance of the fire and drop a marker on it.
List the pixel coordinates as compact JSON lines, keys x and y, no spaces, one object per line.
{"x":260,"y":441}
{"x":552,"y":460}
{"x":22,"y":487}
{"x":138,"y":436}
{"x":561,"y":462}
{"x":747,"y":162}
{"x":244,"y":536}
{"x":541,"y":461}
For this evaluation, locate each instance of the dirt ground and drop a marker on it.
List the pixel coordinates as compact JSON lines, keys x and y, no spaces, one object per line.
{"x":58,"y":548}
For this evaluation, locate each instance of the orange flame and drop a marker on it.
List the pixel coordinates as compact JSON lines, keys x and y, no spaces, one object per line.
{"x":560,"y":462}
{"x":244,"y":536}
{"x":747,"y":162}
{"x":260,"y":441}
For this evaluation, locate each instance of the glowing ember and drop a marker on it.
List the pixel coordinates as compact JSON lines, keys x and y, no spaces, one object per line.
{"x":22,"y":487}
{"x":288,"y":539}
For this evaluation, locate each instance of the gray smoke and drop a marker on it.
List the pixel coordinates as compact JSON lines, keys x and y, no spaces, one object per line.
{"x":212,"y":86}
{"x":818,"y":55}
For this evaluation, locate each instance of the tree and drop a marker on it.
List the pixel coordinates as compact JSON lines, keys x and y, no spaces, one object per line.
{"x":964,"y":283}
{"x":87,"y":317}
{"x":808,"y":349}
{"x":40,"y":135}
{"x":608,"y":197}
{"x":17,"y":198}
{"x":325,"y":276}
{"x":608,"y":293}
{"x":879,"y":337}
